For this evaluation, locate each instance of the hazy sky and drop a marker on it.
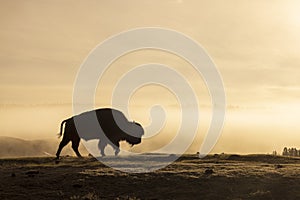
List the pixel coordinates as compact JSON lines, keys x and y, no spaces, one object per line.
{"x":254,"y":43}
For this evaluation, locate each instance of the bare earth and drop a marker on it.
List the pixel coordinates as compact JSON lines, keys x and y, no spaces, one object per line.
{"x":214,"y":177}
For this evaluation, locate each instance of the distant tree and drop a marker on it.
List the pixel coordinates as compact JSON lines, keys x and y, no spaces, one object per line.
{"x":291,"y":152}
{"x":296,"y":152}
{"x":285,"y":152}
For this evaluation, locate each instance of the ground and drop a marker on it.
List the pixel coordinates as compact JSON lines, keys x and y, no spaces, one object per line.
{"x":214,"y":177}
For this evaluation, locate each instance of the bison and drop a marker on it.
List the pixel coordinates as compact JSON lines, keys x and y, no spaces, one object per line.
{"x":108,"y":125}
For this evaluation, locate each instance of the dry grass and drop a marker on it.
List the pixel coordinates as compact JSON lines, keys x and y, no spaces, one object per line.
{"x":214,"y":177}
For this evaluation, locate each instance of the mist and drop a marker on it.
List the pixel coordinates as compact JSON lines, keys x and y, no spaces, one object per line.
{"x":255,"y":49}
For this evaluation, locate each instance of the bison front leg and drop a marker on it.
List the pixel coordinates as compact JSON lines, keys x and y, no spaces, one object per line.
{"x":117,"y":148}
{"x":101,"y":146}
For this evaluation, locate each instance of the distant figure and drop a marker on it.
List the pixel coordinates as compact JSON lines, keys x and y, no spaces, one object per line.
{"x":114,"y":128}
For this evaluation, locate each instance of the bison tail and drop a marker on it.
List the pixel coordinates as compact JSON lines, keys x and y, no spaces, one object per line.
{"x":61,"y":127}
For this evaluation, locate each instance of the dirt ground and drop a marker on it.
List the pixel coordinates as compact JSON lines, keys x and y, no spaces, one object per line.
{"x":214,"y":177}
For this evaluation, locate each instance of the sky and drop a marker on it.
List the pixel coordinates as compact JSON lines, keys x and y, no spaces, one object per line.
{"x":254,"y":44}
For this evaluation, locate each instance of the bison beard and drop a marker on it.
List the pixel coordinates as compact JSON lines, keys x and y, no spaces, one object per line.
{"x":110,"y":126}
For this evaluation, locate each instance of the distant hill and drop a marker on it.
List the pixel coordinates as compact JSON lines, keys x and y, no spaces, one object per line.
{"x":15,"y":147}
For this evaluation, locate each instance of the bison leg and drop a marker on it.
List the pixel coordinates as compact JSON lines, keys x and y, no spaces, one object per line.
{"x":63,"y":143}
{"x":102,"y":146}
{"x":75,"y":144}
{"x":116,"y":146}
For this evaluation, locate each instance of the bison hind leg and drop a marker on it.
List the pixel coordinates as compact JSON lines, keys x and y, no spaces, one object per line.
{"x":62,"y":144}
{"x":75,"y":145}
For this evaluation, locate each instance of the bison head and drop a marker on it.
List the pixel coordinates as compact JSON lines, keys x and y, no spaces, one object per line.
{"x":135,"y":133}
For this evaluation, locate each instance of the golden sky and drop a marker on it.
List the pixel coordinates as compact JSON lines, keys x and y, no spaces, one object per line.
{"x":255,"y":45}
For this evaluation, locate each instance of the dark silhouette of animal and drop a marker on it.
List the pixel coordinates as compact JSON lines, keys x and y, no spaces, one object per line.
{"x":108,"y":125}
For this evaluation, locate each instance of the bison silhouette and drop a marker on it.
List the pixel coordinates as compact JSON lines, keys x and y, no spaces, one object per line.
{"x":108,"y":125}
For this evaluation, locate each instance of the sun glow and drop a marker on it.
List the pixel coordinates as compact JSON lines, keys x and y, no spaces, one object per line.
{"x":294,"y":14}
